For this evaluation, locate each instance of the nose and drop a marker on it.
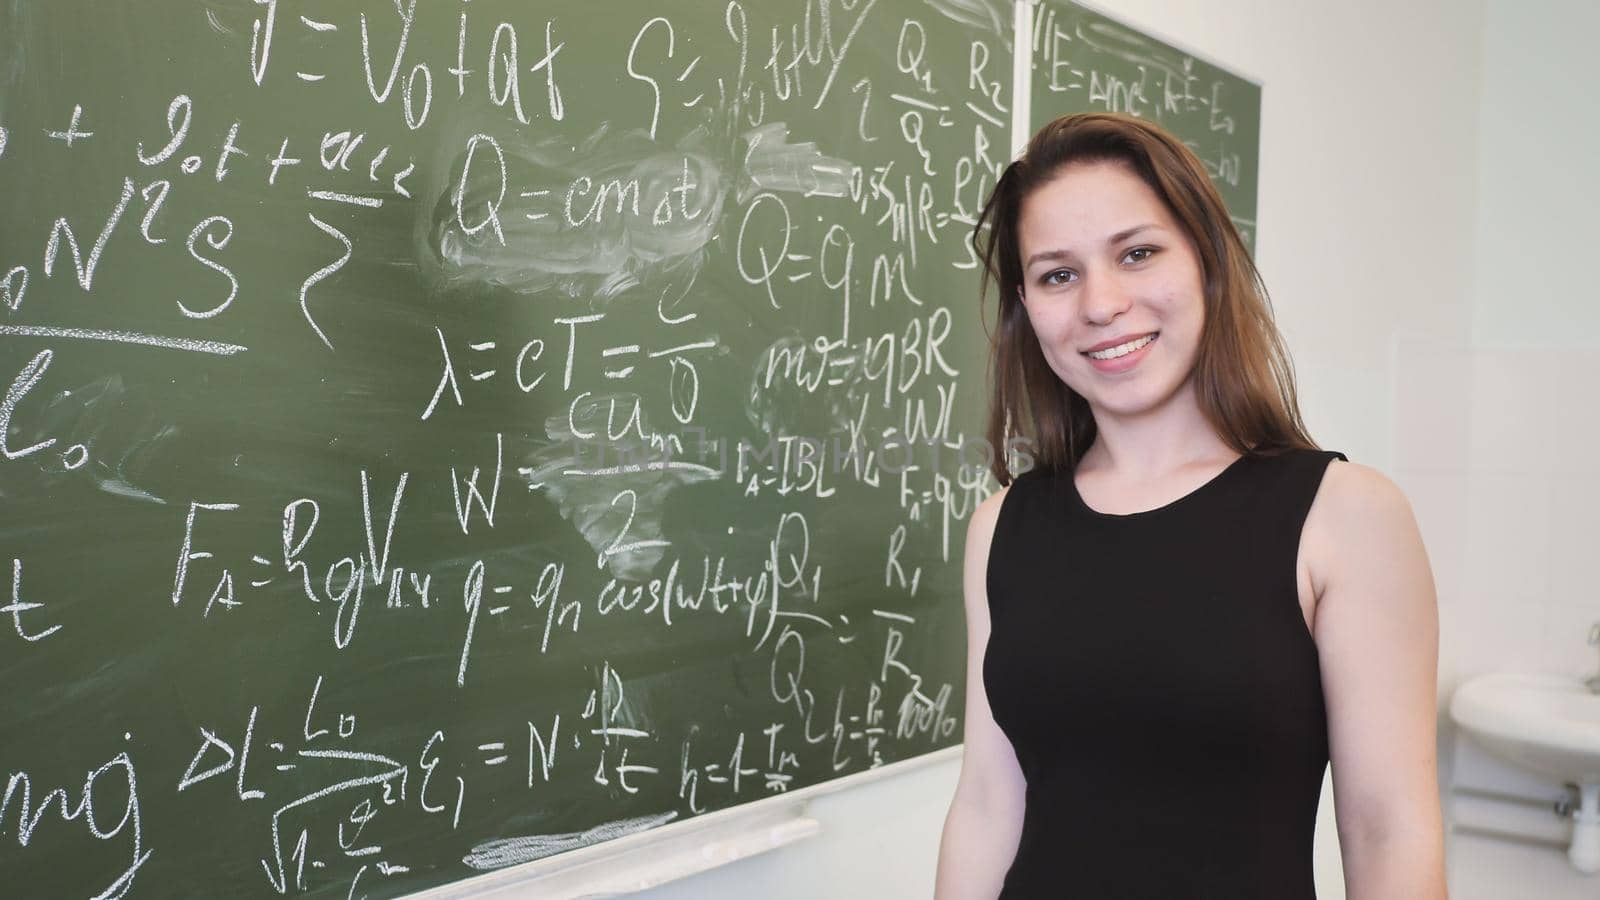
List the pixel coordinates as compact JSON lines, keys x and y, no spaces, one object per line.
{"x":1104,"y":298}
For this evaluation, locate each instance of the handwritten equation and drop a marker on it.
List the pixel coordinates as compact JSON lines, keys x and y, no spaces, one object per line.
{"x":438,"y":436}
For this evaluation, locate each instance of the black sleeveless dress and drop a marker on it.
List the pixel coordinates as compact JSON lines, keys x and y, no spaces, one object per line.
{"x":1155,"y":676}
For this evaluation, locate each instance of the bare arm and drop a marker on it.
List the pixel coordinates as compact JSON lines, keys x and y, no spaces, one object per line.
{"x":985,"y":819}
{"x":1377,"y":635}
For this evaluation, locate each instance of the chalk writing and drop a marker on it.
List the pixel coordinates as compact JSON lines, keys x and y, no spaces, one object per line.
{"x":412,"y":482}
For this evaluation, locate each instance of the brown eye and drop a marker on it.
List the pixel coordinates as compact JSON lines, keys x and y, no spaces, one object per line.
{"x":1140,"y":254}
{"x":1056,"y":276}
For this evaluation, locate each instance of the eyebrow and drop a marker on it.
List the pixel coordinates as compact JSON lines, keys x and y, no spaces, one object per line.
{"x":1117,"y":238}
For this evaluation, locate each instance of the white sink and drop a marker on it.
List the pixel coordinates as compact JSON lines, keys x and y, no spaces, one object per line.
{"x":1549,"y":724}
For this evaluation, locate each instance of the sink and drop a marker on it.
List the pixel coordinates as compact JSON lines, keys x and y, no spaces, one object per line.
{"x":1549,"y":724}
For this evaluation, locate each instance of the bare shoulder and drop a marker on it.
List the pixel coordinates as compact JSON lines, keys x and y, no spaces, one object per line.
{"x":988,"y":510}
{"x":1357,"y":495}
{"x":1377,"y":639}
{"x":975,"y":557}
{"x":980,"y":529}
{"x":1359,"y":518}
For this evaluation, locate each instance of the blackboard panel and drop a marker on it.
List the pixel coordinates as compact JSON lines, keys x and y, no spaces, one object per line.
{"x":1085,"y":61}
{"x":345,"y":346}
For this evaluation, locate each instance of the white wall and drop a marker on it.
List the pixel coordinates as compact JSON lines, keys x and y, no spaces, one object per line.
{"x":1502,"y":472}
{"x":1538,"y":189}
{"x":1368,"y":199}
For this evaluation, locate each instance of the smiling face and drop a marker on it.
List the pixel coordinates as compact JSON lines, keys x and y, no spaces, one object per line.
{"x":1104,"y":260}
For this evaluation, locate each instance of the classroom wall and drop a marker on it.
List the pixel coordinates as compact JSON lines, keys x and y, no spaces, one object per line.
{"x":1366,"y":221}
{"x":1537,"y":185}
{"x":1505,"y":486}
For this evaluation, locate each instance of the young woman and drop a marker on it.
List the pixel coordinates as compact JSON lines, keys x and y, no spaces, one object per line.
{"x":1185,"y":609}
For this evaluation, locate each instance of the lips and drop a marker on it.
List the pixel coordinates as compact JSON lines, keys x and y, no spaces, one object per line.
{"x":1127,"y":362}
{"x":1118,"y":342}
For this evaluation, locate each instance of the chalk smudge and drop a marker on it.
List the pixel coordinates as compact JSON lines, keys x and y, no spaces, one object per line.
{"x":613,"y":489}
{"x":771,"y":163}
{"x":613,"y":212}
{"x":511,"y":851}
{"x":590,"y":220}
{"x":985,"y":15}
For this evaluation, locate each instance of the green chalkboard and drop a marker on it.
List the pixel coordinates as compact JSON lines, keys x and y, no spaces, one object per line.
{"x":1085,"y":61}
{"x":439,"y":435}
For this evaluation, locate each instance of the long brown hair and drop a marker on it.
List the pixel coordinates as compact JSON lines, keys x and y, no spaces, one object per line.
{"x":1244,"y":379}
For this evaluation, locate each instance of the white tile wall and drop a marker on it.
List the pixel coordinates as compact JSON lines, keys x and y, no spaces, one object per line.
{"x":1493,"y":446}
{"x":1526,"y":595}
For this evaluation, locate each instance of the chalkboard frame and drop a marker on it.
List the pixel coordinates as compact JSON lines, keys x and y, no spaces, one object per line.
{"x":668,"y":852}
{"x":783,"y":815}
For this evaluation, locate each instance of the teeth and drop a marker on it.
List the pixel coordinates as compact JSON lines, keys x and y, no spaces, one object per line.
{"x":1123,"y":349}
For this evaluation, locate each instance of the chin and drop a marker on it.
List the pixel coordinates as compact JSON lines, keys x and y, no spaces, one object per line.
{"x":1132,"y":398}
